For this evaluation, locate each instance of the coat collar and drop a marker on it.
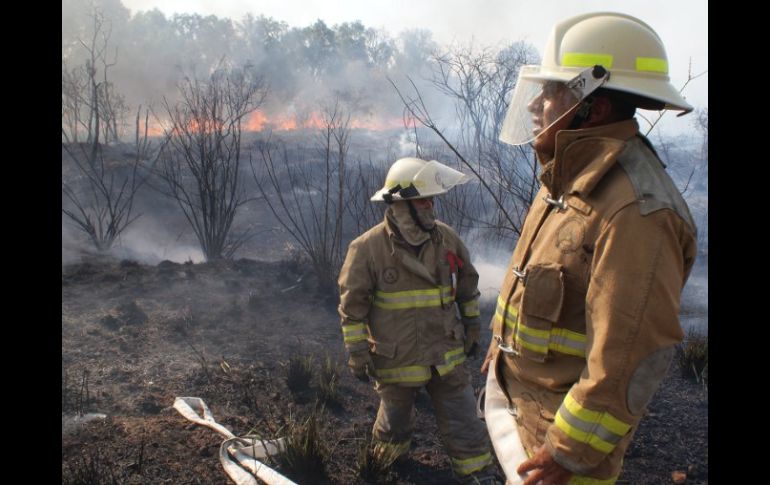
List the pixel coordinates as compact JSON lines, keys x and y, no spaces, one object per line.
{"x":582,"y":157}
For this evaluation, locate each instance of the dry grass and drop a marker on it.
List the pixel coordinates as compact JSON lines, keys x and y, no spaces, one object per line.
{"x":693,"y":356}
{"x":328,"y":382}
{"x":374,"y":463}
{"x":299,"y":373}
{"x":304,"y":457}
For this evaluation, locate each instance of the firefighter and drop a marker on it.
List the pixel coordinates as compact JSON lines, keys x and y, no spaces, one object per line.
{"x":410,"y":317}
{"x":587,"y":317}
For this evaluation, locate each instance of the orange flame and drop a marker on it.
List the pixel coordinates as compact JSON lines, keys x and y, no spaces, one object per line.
{"x":259,"y":121}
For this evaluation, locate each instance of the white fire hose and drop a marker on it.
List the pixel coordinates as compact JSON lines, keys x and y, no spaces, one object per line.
{"x":239,"y":456}
{"x":503,"y":430}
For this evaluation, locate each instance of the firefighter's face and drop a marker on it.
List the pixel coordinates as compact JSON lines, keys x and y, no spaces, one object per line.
{"x":547,"y":107}
{"x":425,"y":203}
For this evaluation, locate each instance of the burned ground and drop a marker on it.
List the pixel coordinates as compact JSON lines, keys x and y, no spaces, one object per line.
{"x":134,"y":337}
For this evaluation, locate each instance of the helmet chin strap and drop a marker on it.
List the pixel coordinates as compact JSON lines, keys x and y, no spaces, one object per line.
{"x":415,"y":217}
{"x":582,"y":113}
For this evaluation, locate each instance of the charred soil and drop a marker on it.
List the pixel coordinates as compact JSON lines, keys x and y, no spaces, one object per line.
{"x":134,"y":337}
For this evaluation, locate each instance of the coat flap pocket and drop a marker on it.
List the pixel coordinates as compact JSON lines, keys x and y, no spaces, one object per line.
{"x":544,"y":292}
{"x":385,"y":349}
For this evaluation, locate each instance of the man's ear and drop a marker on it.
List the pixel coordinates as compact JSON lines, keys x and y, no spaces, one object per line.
{"x":601,"y":111}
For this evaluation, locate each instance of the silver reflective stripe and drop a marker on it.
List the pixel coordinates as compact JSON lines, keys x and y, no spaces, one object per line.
{"x":543,"y":342}
{"x":510,"y":319}
{"x":599,"y":429}
{"x":589,"y":428}
{"x":578,"y":348}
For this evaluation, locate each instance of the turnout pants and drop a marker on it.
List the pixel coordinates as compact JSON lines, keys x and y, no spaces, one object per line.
{"x":463,"y":434}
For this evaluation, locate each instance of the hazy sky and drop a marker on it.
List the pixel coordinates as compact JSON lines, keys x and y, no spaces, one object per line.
{"x":681,"y":24}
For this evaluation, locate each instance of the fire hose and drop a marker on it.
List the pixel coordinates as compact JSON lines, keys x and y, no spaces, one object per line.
{"x":239,"y":456}
{"x":502,"y":427}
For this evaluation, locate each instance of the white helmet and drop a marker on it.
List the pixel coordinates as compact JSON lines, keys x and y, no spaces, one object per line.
{"x":623,"y":45}
{"x":414,"y":178}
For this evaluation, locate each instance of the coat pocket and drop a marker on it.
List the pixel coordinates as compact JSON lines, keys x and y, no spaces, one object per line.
{"x":385,"y":349}
{"x":540,"y":308}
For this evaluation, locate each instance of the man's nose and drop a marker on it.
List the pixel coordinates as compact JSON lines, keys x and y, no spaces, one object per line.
{"x":536,"y":105}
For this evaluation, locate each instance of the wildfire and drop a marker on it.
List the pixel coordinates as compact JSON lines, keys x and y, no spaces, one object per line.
{"x":259,"y":121}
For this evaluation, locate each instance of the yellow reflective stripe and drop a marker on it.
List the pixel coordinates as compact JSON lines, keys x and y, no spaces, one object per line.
{"x":393,"y":449}
{"x":398,"y":300}
{"x":471,"y":465}
{"x":544,"y":334}
{"x":414,"y":373}
{"x":585,"y":59}
{"x":512,"y":313}
{"x":402,"y":306}
{"x":453,"y":358}
{"x":604,"y":418}
{"x":600,"y":430}
{"x":541,"y":349}
{"x":568,"y":342}
{"x":354,"y":333}
{"x":579,"y":435}
{"x":652,"y":64}
{"x":399,"y":294}
{"x":470,"y":308}
{"x":581,"y":480}
{"x":404,"y":183}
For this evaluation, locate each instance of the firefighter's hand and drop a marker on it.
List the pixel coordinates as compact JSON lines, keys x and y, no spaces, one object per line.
{"x":361,"y":365}
{"x":472,"y":333}
{"x":544,"y":469}
{"x":488,"y":358}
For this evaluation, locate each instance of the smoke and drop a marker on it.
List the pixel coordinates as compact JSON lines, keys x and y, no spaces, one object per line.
{"x":147,"y":241}
{"x":491,"y":262}
{"x":150,"y":241}
{"x":407,"y":147}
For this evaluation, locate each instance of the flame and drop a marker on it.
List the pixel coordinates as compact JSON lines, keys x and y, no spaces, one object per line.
{"x":259,"y":121}
{"x":154,"y":129}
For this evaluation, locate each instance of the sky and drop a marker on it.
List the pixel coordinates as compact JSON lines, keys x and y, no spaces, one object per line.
{"x":681,"y":24}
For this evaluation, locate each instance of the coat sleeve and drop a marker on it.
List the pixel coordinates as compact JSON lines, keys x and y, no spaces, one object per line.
{"x":639,"y":267}
{"x":356,"y":282}
{"x":467,"y":296}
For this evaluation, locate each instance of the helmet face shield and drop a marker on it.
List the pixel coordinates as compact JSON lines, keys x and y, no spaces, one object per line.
{"x":540,"y":100}
{"x":413,"y":178}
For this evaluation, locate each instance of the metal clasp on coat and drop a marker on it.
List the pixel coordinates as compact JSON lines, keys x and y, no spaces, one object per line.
{"x":557,"y":203}
{"x":504,"y":347}
{"x":512,"y":410}
{"x":522,"y":275}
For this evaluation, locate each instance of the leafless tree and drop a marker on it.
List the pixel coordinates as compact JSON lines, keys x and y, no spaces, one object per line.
{"x":99,"y":200}
{"x":201,"y":167}
{"x":362,"y":181}
{"x":308,"y":199}
{"x":99,"y":197}
{"x":690,"y":77}
{"x":92,"y":110}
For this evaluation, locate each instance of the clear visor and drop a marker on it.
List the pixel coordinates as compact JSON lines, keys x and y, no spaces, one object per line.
{"x":541,"y":101}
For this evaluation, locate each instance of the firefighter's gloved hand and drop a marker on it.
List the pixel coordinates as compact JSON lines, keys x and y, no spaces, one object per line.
{"x":360,"y":363}
{"x":472,"y":334}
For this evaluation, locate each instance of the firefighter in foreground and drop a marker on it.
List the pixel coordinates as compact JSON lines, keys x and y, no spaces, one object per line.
{"x":410,"y":316}
{"x":587,"y":316}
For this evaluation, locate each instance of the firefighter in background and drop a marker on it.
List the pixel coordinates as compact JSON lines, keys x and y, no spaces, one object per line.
{"x":410,"y":316}
{"x":587,"y":317}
